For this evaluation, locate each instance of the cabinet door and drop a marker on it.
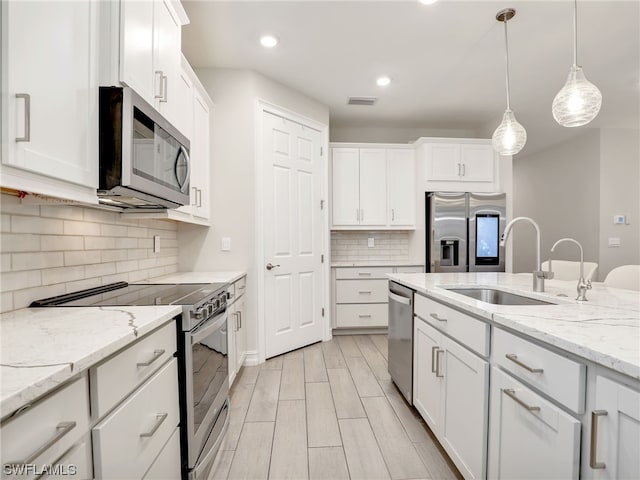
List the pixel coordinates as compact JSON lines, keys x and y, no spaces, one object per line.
{"x":373,"y":186}
{"x":167,"y":465}
{"x":50,"y":55}
{"x":166,"y":61}
{"x":200,"y":157}
{"x":231,"y":343}
{"x":465,"y":400}
{"x":401,"y":183}
{"x":529,"y":437}
{"x":617,"y":433}
{"x":346,"y":186}
{"x":241,"y":339}
{"x":477,"y":163}
{"x":443,"y":162}
{"x":427,"y":356}
{"x":136,"y":47}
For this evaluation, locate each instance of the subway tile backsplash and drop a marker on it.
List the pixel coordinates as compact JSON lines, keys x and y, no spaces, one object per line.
{"x":49,"y":250}
{"x":351,"y":246}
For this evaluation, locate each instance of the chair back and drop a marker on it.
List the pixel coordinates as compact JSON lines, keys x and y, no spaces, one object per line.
{"x":626,"y":276}
{"x":567,"y":270}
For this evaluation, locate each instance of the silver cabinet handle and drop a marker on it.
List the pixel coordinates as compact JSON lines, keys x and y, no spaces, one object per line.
{"x":364,"y":274}
{"x":160,"y":75}
{"x":161,"y":417}
{"x":438,"y":318}
{"x":399,"y":298}
{"x":459,"y":170}
{"x":464,"y":169}
{"x":237,"y":317}
{"x":156,"y":355}
{"x":438,"y":364}
{"x":514,"y":358}
{"x":362,"y":315}
{"x":393,"y":214}
{"x":270,"y":266}
{"x":199,"y":196}
{"x":242,"y":287}
{"x":363,"y":292}
{"x":27,"y":117}
{"x":511,"y":393}
{"x":240,"y":318}
{"x":593,"y":456}
{"x":165,"y":81}
{"x":61,"y":430}
{"x":433,"y":362}
{"x":195,"y":196}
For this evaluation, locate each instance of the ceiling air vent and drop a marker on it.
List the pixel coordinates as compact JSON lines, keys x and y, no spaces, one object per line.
{"x":369,"y":101}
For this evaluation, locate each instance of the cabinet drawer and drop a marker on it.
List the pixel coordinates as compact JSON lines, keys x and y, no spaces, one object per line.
{"x":467,"y":330}
{"x":167,"y":465}
{"x":126,"y":443}
{"x":63,"y":414}
{"x":240,"y":286}
{"x":412,"y":269}
{"x":363,"y":315}
{"x":79,"y":457}
{"x":362,"y":273}
{"x":362,"y":291}
{"x":559,"y":377}
{"x":115,"y":378}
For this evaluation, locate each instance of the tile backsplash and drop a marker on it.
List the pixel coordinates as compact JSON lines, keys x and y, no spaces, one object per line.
{"x":347,"y":246}
{"x":49,"y":250}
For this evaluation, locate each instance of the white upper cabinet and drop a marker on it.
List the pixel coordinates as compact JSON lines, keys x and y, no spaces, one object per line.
{"x":401,"y":180}
{"x":166,"y":60}
{"x":459,"y":165}
{"x":136,"y":46}
{"x":200,"y":154}
{"x":373,"y":187}
{"x":50,"y":98}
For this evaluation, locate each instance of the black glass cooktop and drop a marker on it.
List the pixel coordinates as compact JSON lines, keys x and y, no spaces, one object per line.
{"x":124,"y":294}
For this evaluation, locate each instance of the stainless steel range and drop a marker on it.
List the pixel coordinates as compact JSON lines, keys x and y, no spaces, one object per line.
{"x":202,"y":358}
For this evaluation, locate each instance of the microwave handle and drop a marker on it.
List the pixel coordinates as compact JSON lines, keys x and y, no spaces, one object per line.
{"x":184,"y":152}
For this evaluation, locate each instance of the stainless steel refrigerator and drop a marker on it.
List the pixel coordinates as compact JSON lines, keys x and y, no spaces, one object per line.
{"x":463,"y":232}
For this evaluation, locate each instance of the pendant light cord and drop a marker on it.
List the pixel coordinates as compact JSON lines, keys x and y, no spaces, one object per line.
{"x":506,"y":48}
{"x":575,"y":33}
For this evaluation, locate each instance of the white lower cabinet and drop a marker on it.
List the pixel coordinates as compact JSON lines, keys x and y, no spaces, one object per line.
{"x":615,"y":432}
{"x":236,"y":336}
{"x":75,"y":463}
{"x":450,"y":392}
{"x":167,"y":465}
{"x":529,"y":438}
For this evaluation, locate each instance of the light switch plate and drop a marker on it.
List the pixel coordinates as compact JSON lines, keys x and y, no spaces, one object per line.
{"x":156,"y":244}
{"x":226,"y":244}
{"x":371,"y":242}
{"x":614,"y":242}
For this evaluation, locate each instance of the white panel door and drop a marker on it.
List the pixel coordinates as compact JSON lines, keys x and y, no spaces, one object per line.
{"x":136,"y":46}
{"x":346,"y":186}
{"x":530,"y":438}
{"x":373,"y":186}
{"x":292,"y":235}
{"x":166,"y":59}
{"x":443,"y":162}
{"x":426,"y":382}
{"x":401,"y":180}
{"x":465,"y":397}
{"x":618,"y":431}
{"x":51,"y":89}
{"x":477,"y":163}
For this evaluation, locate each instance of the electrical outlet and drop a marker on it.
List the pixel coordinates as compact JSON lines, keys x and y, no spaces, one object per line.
{"x":371,"y":242}
{"x":226,"y":244}
{"x":614,"y":242}
{"x":156,"y":244}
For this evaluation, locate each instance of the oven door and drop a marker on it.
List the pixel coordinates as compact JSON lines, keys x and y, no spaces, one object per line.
{"x":207,"y":382}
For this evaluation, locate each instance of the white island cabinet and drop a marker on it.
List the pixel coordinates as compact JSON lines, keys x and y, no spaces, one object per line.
{"x":50,"y":99}
{"x":236,"y":328}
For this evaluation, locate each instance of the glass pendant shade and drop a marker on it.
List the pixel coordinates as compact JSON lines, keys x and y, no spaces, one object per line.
{"x":578,"y":102}
{"x":510,"y":136}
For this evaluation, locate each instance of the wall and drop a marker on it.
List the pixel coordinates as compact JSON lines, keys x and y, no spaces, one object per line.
{"x":235,"y":94}
{"x":619,"y":195}
{"x":381,"y":134}
{"x":348,"y":246}
{"x":559,"y":188}
{"x":51,"y":249}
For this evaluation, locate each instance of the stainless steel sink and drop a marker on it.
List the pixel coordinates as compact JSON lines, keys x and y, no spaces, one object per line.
{"x":497,"y":297}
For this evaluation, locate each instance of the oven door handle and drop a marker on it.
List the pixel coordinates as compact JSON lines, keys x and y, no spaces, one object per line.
{"x":208,"y":327}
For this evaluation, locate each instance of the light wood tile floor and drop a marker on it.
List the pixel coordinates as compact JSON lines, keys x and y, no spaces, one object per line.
{"x":327,"y":411}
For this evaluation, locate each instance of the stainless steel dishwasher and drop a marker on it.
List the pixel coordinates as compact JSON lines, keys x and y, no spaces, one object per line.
{"x":401,"y":338}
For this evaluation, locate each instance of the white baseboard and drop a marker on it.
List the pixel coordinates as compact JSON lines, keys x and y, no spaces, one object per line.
{"x":251,"y":359}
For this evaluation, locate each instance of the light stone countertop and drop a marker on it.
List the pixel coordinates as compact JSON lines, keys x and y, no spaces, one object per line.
{"x":375,"y":263}
{"x":41,"y":348}
{"x":197,"y":277}
{"x":604,"y":330}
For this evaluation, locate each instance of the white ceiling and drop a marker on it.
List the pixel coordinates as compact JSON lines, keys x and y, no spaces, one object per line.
{"x":446,"y":60}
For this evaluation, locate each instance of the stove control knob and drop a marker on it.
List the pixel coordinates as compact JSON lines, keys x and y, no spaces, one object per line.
{"x":199,"y":313}
{"x":210,"y":308}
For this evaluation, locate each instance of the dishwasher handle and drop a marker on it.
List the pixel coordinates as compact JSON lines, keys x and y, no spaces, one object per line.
{"x":399,"y":298}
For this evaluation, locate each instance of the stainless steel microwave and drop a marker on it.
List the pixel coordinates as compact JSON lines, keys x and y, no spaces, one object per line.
{"x":144,"y":160}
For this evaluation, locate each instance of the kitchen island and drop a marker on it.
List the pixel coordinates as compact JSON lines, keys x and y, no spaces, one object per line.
{"x":551,"y":389}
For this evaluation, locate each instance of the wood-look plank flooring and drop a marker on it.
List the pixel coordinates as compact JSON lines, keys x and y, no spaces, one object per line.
{"x":327,"y":412}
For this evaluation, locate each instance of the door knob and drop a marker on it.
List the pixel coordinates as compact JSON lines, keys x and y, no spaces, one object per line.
{"x":271,"y":267}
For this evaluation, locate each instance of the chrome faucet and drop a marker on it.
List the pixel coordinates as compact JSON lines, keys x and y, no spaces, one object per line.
{"x":538,"y":275}
{"x":583,"y":285}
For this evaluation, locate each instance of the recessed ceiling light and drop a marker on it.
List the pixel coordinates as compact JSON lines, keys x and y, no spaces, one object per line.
{"x":427,"y":2}
{"x":269,"y":41}
{"x":383,"y":81}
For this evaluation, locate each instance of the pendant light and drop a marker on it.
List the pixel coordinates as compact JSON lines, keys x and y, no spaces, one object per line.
{"x":579,"y":101}
{"x":510,"y":136}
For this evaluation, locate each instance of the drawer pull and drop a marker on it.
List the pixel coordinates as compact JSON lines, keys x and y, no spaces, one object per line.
{"x":364,"y":274}
{"x":61,"y":430}
{"x":242,"y":287}
{"x":593,"y":461}
{"x":156,"y":355}
{"x":514,"y":358}
{"x":438,"y":364}
{"x":161,"y":417}
{"x":511,"y":393}
{"x":363,"y":315}
{"x":433,"y":363}
{"x":435,"y":315}
{"x":362,"y":292}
